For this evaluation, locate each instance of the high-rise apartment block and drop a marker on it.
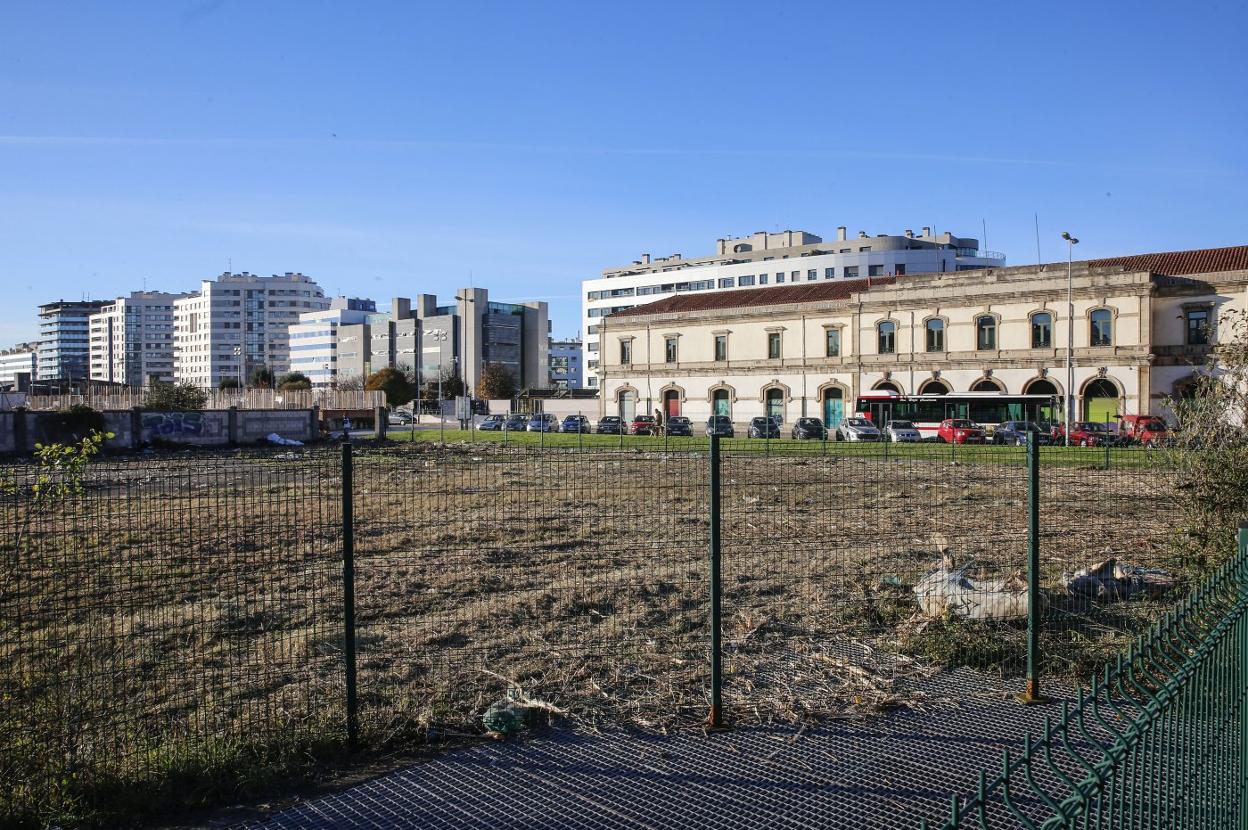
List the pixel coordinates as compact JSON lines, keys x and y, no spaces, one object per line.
{"x":132,"y":339}
{"x":238,"y":323}
{"x":316,"y":340}
{"x":18,"y":367}
{"x":64,"y":339}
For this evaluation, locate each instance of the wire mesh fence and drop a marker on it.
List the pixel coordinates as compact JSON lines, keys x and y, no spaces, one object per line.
{"x":188,"y":617}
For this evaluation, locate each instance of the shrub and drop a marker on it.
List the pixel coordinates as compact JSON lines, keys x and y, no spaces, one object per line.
{"x":294,"y":381}
{"x":174,"y":397}
{"x":393,"y":382}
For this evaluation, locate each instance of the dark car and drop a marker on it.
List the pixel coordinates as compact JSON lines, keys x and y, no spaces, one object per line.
{"x":575,"y":423}
{"x":720,"y":425}
{"x":644,"y":425}
{"x":1015,"y":433}
{"x":516,"y":423}
{"x":809,"y":429}
{"x":762,"y":427}
{"x":679,"y":425}
{"x":611,"y":425}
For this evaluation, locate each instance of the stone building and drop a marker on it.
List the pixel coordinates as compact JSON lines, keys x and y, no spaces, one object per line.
{"x":1142,"y":326}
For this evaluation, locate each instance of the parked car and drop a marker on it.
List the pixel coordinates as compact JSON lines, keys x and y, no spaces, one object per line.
{"x":543,"y":422}
{"x":400,"y":416}
{"x":720,"y":425}
{"x":575,"y":423}
{"x":901,"y":432}
{"x":1015,"y":433}
{"x":1082,"y":434}
{"x":611,"y":425}
{"x":516,"y":423}
{"x":679,"y":425}
{"x":1148,"y":430}
{"x":492,"y":423}
{"x":764,"y":427}
{"x":644,"y":425}
{"x":960,"y":431}
{"x":857,"y":429}
{"x":809,"y":429}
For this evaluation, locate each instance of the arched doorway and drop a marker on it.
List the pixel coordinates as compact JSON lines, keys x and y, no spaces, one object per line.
{"x":833,"y":407}
{"x":627,"y":400}
{"x":1100,"y":401}
{"x":1044,"y":386}
{"x":774,"y":400}
{"x":721,"y":402}
{"x":986,"y":385}
{"x":934,"y":387}
{"x":887,"y":386}
{"x":671,"y":403}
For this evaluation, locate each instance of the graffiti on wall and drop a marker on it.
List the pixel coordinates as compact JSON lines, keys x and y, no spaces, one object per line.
{"x":170,"y":425}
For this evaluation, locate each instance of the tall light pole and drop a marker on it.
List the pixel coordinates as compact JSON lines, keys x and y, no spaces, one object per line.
{"x":1071,"y":242}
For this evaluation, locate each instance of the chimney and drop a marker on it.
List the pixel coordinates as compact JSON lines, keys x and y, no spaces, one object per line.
{"x":927,"y":231}
{"x":862,"y":234}
{"x":909,"y":234}
{"x":840,"y":233}
{"x":645,"y":259}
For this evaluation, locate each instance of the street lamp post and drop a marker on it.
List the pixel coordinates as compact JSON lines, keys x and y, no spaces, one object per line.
{"x":238,"y":355}
{"x":1071,"y":242}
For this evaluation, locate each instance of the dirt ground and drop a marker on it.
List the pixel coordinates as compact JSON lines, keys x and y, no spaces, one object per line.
{"x":193,"y":604}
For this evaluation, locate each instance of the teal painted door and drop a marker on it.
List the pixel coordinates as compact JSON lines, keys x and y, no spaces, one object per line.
{"x":833,"y":408}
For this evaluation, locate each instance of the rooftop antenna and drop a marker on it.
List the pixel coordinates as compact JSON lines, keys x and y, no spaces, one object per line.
{"x":1037,"y":215}
{"x":985,"y":223}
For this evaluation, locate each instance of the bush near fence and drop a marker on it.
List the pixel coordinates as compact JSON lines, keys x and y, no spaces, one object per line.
{"x":183,"y":619}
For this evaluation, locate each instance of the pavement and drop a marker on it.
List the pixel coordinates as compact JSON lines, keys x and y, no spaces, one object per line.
{"x":884,"y":772}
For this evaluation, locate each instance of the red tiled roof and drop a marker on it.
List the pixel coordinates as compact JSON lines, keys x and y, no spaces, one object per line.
{"x":773,"y":295}
{"x":1179,"y":263}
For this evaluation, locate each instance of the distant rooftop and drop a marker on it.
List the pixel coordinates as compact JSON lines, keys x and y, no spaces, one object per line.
{"x":1180,"y":263}
{"x":777,"y":295}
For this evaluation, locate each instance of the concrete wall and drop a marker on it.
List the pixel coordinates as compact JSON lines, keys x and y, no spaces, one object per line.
{"x":133,"y":428}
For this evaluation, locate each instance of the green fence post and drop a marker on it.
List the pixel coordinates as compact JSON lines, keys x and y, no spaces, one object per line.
{"x":348,"y":594}
{"x":1242,"y":692}
{"x":1107,"y":455}
{"x":716,"y":717}
{"x":1032,"y":693}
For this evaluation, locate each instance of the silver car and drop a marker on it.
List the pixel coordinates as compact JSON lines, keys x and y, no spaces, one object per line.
{"x":903,"y":432}
{"x":857,"y":429}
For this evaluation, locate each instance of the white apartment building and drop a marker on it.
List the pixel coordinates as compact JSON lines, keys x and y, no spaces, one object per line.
{"x":315,"y":339}
{"x":64,"y":339}
{"x":763,"y":259}
{"x":238,"y":323}
{"x":22,"y":359}
{"x":132,"y":339}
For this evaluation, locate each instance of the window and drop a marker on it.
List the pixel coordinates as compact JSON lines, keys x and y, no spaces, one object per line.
{"x":829,"y":273}
{"x":721,"y":347}
{"x":899,"y":269}
{"x":626,"y":352}
{"x":812,"y":274}
{"x":875,"y":270}
{"x":985,"y":333}
{"x":832,"y":342}
{"x":725,"y":282}
{"x":746,"y":280}
{"x":795,"y":276}
{"x":773,"y":345}
{"x":864,"y":248}
{"x":887,"y":336}
{"x":779,"y":277}
{"x":669,"y":349}
{"x":1042,"y":331}
{"x":762,"y":279}
{"x":1102,"y":321}
{"x":851,"y":272}
{"x":935,"y":335}
{"x":1198,"y":326}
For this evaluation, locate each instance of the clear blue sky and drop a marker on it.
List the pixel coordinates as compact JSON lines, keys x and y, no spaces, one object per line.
{"x":390,"y":148}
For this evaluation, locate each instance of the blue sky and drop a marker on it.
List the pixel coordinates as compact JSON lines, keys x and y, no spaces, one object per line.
{"x":391,"y":148}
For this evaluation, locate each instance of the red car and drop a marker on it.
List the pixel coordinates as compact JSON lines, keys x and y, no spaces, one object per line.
{"x":960,"y":431}
{"x":1082,"y":434}
{"x":1148,"y":430}
{"x":644,"y":425}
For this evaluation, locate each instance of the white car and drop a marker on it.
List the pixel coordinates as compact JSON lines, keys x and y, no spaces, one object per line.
{"x":903,"y":432}
{"x":857,"y":429}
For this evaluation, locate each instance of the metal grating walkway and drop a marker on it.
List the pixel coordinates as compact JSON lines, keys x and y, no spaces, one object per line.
{"x":882,"y":773}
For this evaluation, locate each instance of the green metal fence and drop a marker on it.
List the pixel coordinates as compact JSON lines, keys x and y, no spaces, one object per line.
{"x":1160,"y":739}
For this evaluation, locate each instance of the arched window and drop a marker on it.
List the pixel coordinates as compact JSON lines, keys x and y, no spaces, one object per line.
{"x":1044,"y":386}
{"x":934,"y":387}
{"x":935,"y":335}
{"x":887,"y":336}
{"x":721,"y":402}
{"x":1102,"y":321}
{"x":985,"y":385}
{"x":1042,"y":331}
{"x":1100,"y":401}
{"x":775,"y":404}
{"x":887,"y":386}
{"x":986,"y":332}
{"x":1041,"y":386}
{"x":627,"y":400}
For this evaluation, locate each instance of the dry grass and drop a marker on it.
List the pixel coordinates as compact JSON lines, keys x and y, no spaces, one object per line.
{"x":195,"y":602}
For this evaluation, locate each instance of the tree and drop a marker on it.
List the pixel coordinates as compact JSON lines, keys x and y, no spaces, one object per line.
{"x":1209,"y":450}
{"x":294,"y":381}
{"x":450,"y":385}
{"x":262,"y":377}
{"x":349,"y":383}
{"x":228,"y":383}
{"x":496,"y":383}
{"x":391,"y":381}
{"x":174,"y":396}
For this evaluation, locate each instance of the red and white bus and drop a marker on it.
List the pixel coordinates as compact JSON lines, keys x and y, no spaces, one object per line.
{"x":927,"y":411}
